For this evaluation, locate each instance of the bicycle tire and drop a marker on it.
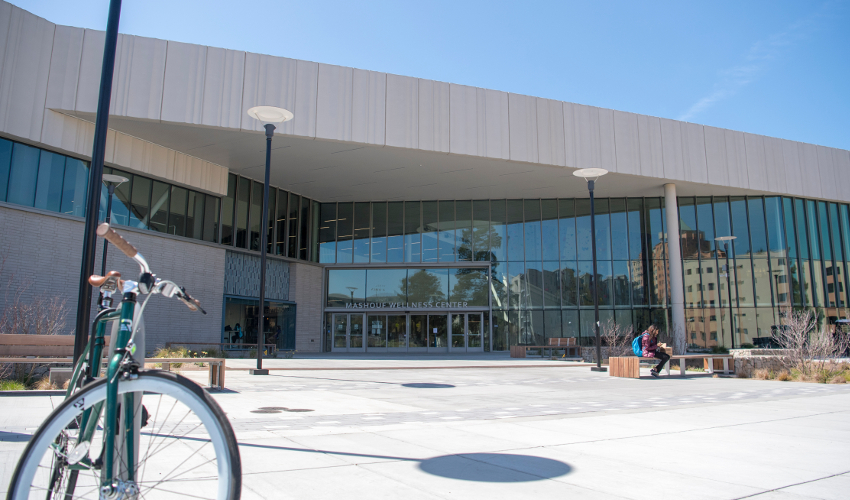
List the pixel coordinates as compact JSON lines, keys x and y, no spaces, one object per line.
{"x":227,"y":468}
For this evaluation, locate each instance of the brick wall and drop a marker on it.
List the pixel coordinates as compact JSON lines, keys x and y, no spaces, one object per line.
{"x":42,"y":252}
{"x":305,"y":288}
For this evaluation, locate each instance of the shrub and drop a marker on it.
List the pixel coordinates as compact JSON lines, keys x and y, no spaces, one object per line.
{"x":44,"y":384}
{"x":719,"y":349}
{"x":172,"y":352}
{"x":12,"y":385}
{"x":617,"y":338}
{"x":783,"y":376}
{"x":838,"y":379}
{"x":811,"y":350}
{"x":761,"y":374}
{"x":741,"y":374}
{"x":747,"y":345}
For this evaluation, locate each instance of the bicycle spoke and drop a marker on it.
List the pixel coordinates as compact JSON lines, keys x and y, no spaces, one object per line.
{"x":150,"y":441}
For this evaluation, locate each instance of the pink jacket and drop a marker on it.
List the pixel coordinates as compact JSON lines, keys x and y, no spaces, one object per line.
{"x":649,"y":345}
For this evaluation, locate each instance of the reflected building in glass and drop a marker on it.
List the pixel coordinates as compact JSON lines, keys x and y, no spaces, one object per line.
{"x":409,"y":215}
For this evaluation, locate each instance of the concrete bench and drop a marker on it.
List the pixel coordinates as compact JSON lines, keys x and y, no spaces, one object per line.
{"x":568,"y":344}
{"x":629,"y":366}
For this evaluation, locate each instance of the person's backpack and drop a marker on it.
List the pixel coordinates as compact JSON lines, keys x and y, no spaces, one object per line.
{"x":637,"y":345}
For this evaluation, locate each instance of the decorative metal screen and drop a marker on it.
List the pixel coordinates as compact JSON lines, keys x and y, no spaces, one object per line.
{"x":242,"y":276}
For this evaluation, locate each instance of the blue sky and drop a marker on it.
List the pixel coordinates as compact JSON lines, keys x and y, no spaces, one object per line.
{"x":778,"y":68}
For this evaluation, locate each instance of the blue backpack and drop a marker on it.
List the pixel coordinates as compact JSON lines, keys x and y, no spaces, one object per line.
{"x":637,"y":345}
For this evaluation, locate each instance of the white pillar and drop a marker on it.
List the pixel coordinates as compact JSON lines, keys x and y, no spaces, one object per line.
{"x":674,"y":261}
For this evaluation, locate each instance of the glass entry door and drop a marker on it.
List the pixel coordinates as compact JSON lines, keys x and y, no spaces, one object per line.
{"x":438,"y":332}
{"x":348,"y":333}
{"x":467,"y":332}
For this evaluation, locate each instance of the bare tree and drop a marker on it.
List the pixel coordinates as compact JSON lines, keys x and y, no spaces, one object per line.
{"x":617,"y":337}
{"x":809,"y":349}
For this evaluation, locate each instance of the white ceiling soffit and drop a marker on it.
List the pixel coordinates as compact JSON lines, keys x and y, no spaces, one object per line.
{"x":342,"y":171}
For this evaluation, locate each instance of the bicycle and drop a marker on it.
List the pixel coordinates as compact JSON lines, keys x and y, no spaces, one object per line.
{"x":101,"y":442}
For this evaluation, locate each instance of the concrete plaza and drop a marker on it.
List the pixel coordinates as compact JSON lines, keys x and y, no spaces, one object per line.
{"x":491,"y":427}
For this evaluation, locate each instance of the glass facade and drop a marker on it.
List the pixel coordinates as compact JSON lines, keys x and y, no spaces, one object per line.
{"x":786,"y":252}
{"x":42,"y":179}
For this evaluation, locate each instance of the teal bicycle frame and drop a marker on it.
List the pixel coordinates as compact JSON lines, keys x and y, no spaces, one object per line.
{"x":93,"y":353}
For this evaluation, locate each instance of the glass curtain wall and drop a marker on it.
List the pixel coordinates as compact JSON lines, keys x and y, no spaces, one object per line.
{"x":41,"y":179}
{"x":539,"y":252}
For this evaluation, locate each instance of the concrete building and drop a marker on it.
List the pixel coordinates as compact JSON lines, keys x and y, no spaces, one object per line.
{"x":407,"y":215}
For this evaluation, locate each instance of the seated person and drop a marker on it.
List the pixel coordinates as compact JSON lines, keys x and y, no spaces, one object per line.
{"x":649,"y":344}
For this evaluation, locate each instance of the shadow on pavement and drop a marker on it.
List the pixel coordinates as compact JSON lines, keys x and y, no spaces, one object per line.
{"x":482,"y":467}
{"x":425,"y":385}
{"x":495,"y":467}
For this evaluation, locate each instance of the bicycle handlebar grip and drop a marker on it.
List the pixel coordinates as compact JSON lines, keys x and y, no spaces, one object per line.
{"x":106,"y":232}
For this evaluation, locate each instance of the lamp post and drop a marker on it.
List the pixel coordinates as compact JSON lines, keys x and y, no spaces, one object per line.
{"x":269,"y":116}
{"x":112,"y":182}
{"x":591,"y":175}
{"x":726,"y":240}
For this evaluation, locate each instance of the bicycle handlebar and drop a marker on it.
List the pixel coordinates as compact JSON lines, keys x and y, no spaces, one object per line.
{"x":109,"y":234}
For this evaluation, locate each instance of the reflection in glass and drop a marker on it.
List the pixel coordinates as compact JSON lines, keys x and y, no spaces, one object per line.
{"x":345,"y":221}
{"x":386,"y":285}
{"x":551,"y":285}
{"x":738,"y":213}
{"x":499,"y":284}
{"x":361,"y":232}
{"x":621,"y":283}
{"x":474,"y":330}
{"x":481,"y":230}
{"x":499,"y":234}
{"x":340,"y":331}
{"x":549,"y":229}
{"x":606,"y":286}
{"x":690,"y":237}
{"x":51,"y":171}
{"x":533,"y":239}
{"x":552,"y":324}
{"x":256,"y":215}
{"x":418,"y":331}
{"x":430,"y":239}
{"x":517,"y":285}
{"x":569,"y":284}
{"x":377,"y":330}
{"x":195,"y":205}
{"x":159,"y":206}
{"x":500,"y":330}
{"x":140,"y":206}
{"x":23,"y":175}
{"x":515,"y":230}
{"x":243,"y":195}
{"x":395,"y":231}
{"x":619,"y":229}
{"x":379,"y":232}
{"x":427,"y":285}
{"x":603,"y":230}
{"x":457,"y":331}
{"x":534,"y":279}
{"x":346,"y":286}
{"x":177,"y":211}
{"x":463,"y":230}
{"x":121,"y":200}
{"x":637,"y":245}
{"x":292,"y":225}
{"x":327,"y":232}
{"x":567,"y":229}
{"x":469,"y":285}
{"x":356,"y":332}
{"x":446,"y":236}
{"x":397,"y":331}
{"x":227,"y":207}
{"x":5,"y":165}
{"x":438,"y":330}
{"x":585,"y":283}
{"x":585,"y":251}
{"x":412,"y":228}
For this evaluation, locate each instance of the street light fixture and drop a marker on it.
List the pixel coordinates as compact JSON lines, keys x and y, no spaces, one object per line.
{"x":112,"y":182}
{"x":269,"y":116}
{"x":726,"y":240}
{"x":591,"y":175}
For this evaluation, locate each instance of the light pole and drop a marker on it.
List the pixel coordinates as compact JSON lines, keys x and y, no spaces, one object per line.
{"x":112,"y":182}
{"x":268,"y":116}
{"x":591,"y":175}
{"x":726,"y":240}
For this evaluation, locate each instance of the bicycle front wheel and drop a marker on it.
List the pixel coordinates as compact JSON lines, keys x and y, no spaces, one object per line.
{"x":185,"y":449}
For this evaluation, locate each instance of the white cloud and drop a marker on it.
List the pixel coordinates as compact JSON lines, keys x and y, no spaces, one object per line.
{"x":755,"y":61}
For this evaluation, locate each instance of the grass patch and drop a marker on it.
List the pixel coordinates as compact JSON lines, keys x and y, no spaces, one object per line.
{"x":12,"y":385}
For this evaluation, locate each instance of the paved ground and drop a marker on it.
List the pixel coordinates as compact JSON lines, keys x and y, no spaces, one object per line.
{"x":539,"y":431}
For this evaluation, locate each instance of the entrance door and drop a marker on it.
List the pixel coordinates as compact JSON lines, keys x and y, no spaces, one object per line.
{"x":397,"y":333}
{"x":474,"y":332}
{"x":438,"y":332}
{"x":467,"y":332}
{"x":418,"y":333}
{"x":347,"y":333}
{"x":377,"y":332}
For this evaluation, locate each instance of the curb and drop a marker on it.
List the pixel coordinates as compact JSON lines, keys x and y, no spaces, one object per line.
{"x":571,"y":365}
{"x":32,"y":393}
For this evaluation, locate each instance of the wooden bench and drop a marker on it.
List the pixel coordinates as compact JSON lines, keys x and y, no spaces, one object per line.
{"x":629,"y":366}
{"x":568,"y":344}
{"x":217,"y":367}
{"x":59,"y":350}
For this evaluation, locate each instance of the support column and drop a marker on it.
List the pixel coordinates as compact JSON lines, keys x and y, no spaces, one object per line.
{"x":674,"y":261}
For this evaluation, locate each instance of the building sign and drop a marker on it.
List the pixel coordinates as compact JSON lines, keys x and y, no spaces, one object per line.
{"x":406,"y":305}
